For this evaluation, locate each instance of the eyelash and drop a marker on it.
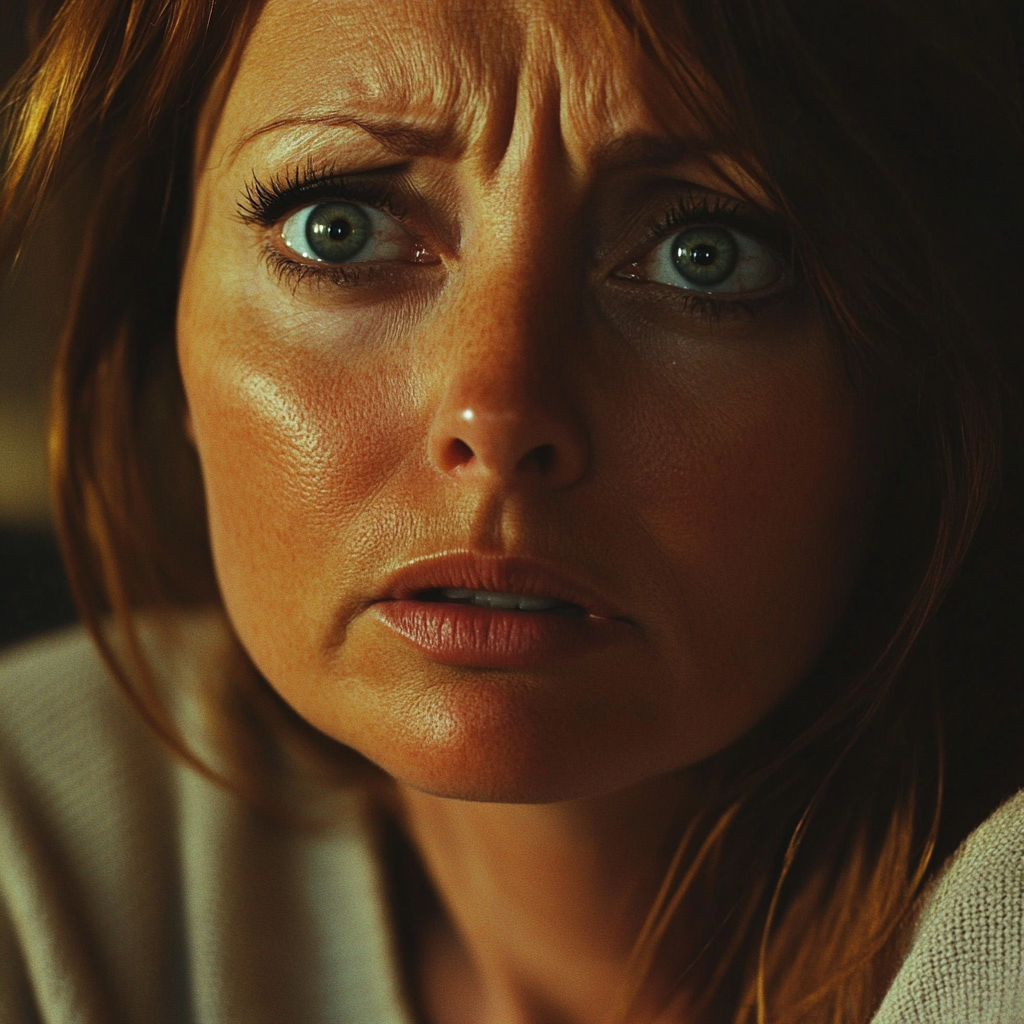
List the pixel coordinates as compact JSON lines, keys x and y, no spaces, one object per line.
{"x":264,"y":203}
{"x":694,"y":208}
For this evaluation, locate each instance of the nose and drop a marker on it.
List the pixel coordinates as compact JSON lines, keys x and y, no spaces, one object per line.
{"x":506,"y":416}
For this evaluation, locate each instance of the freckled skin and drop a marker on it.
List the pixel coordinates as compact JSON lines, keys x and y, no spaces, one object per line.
{"x":709,"y":476}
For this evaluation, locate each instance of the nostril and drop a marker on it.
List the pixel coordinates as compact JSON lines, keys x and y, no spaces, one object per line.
{"x":459,"y":453}
{"x":502,"y":446}
{"x":540,"y":459}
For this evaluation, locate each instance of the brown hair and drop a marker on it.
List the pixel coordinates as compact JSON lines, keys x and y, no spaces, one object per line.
{"x":889,"y":132}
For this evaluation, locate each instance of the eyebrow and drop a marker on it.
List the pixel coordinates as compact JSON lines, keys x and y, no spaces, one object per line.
{"x":400,"y":137}
{"x":651,"y":150}
{"x":405,"y":139}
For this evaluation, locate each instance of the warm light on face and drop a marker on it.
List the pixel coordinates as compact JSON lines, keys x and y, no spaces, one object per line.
{"x":530,"y":472}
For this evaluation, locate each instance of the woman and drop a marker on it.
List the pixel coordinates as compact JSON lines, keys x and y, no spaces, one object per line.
{"x":607,"y":419}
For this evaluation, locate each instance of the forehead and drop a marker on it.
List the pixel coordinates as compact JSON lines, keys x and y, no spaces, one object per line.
{"x":446,"y":77}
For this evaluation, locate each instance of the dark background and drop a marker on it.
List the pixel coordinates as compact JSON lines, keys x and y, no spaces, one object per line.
{"x":33,"y":297}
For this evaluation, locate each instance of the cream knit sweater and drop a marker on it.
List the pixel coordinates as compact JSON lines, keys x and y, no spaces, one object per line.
{"x":133,"y":892}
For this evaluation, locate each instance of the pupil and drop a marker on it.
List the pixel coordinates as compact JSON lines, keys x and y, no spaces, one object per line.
{"x":703,"y":255}
{"x":339,"y":230}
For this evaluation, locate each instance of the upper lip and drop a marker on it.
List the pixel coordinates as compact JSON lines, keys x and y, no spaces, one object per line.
{"x":503,"y":574}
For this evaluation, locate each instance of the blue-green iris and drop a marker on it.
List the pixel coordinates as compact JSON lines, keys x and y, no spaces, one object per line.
{"x":337,"y":231}
{"x":705,"y":256}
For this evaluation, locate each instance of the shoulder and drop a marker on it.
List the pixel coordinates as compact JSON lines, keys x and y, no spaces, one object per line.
{"x":27,"y":667}
{"x":966,"y":961}
{"x":126,"y":876}
{"x":82,"y":778}
{"x":84,"y":790}
{"x":59,"y":705}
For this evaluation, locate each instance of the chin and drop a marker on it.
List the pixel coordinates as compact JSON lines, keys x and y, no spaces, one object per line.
{"x":496,"y":738}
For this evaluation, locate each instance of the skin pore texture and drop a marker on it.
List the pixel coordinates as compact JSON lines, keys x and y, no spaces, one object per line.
{"x":508,"y":375}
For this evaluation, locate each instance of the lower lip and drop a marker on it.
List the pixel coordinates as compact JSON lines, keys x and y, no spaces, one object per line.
{"x":458,"y":634}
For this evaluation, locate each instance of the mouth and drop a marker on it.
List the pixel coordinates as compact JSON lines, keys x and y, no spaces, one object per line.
{"x":496,"y":613}
{"x":497,"y":584}
{"x":499,"y":601}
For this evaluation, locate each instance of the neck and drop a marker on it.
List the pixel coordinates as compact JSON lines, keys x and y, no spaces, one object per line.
{"x":543,"y":902}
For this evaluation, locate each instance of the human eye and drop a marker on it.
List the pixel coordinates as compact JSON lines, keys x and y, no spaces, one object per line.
{"x":701,"y":250}
{"x":320,"y":227}
{"x":716,"y":259}
{"x":338,"y":232}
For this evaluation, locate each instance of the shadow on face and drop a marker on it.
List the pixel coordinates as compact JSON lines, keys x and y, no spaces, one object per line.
{"x":531,"y":472}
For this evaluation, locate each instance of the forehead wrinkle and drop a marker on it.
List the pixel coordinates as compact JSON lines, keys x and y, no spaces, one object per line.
{"x":544,"y":105}
{"x":592,"y":98}
{"x":404,"y":93}
{"x":443,"y":58}
{"x":451,"y":79}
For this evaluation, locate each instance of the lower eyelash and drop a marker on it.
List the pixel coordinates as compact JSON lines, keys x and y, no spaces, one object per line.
{"x":703,"y":307}
{"x":712,"y":308}
{"x":296,"y":274}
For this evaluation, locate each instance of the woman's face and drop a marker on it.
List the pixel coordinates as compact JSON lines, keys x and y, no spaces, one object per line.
{"x":461,"y":319}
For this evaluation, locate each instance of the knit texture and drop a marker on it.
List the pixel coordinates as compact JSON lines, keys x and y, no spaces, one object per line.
{"x":966,"y":962}
{"x":134,"y":892}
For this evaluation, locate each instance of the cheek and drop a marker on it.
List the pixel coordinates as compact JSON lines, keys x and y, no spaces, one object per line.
{"x":775,"y":463}
{"x":754,"y":475}
{"x":296,"y":432}
{"x":725,"y":505}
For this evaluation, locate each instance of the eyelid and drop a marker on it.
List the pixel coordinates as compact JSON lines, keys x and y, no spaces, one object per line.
{"x":757,"y":269}
{"x":697,"y":207}
{"x":687,"y":206}
{"x":264,"y":203}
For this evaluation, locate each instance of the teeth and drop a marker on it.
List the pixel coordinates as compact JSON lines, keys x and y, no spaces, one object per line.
{"x":507,"y":602}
